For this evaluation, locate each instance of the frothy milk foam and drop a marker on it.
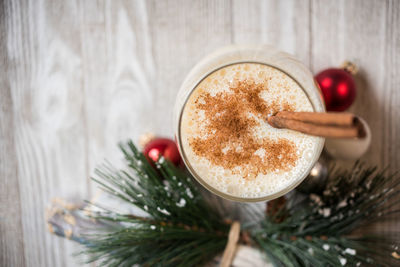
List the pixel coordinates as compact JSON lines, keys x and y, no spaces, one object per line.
{"x":229,"y":144}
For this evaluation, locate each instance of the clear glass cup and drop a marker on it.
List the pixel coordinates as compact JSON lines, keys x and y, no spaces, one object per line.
{"x":262,"y":54}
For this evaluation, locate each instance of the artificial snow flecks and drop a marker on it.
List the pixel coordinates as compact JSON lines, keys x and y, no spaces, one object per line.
{"x":152,"y":227}
{"x":330,"y":191}
{"x":179,"y":184}
{"x":342,"y":204}
{"x":368,"y":185}
{"x":189,"y":192}
{"x":174,"y":177}
{"x":163,"y":211}
{"x":325,"y":246}
{"x":139,"y":195}
{"x":139,"y":163}
{"x":343,"y":261}
{"x":358,"y":263}
{"x":181,"y":203}
{"x":316,"y":199}
{"x":350,"y":251}
{"x":311,"y":251}
{"x":161,"y":160}
{"x":146,"y":208}
{"x":327,"y":192}
{"x":326,"y":212}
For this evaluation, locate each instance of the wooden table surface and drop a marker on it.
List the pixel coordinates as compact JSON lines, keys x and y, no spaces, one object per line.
{"x":79,"y":76}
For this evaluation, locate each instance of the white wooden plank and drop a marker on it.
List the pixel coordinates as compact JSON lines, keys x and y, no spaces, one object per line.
{"x":11,"y":238}
{"x":283,"y":24}
{"x":118,"y":76}
{"x":391,"y":96}
{"x":355,"y":30}
{"x":390,"y":90}
{"x":46,"y":90}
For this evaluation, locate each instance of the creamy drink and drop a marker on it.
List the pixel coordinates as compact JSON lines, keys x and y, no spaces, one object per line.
{"x":226,"y":141}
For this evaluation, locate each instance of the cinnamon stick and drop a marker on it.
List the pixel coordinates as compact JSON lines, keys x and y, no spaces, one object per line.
{"x":331,"y":118}
{"x":230,"y":248}
{"x":324,"y":130}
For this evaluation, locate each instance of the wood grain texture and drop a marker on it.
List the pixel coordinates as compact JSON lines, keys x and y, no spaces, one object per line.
{"x":77,"y":77}
{"x":11,"y":236}
{"x":45,"y":76}
{"x":367,"y":33}
{"x":118,"y":75}
{"x":284,"y":24}
{"x":390,"y":149}
{"x":355,"y":30}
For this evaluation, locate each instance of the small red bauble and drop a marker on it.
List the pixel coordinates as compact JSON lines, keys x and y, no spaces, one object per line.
{"x":158,"y":147}
{"x":338,"y":88}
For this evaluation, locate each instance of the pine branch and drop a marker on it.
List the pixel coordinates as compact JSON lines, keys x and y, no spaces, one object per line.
{"x":317,"y":231}
{"x":180,"y":229}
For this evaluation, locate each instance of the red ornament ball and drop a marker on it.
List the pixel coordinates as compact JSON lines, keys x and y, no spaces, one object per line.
{"x":158,"y":147}
{"x":338,"y":88}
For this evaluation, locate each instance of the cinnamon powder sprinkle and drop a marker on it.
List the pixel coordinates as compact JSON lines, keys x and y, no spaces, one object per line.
{"x":230,"y":141}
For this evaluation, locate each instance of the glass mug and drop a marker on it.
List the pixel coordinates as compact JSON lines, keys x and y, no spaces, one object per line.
{"x":264,"y":55}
